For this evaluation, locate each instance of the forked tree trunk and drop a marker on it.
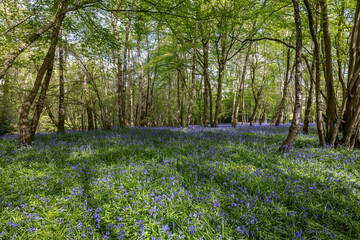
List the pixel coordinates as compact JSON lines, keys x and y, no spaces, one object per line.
{"x":295,"y":123}
{"x":257,"y":96}
{"x":330,"y":90}
{"x":50,"y":114}
{"x":25,"y":128}
{"x":351,"y":124}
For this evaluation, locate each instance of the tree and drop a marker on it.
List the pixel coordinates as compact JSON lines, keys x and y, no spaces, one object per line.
{"x":295,"y":123}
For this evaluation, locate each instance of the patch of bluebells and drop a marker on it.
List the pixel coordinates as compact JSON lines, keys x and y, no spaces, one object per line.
{"x":171,"y":183}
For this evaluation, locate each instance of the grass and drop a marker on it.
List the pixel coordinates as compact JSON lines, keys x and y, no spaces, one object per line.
{"x":166,"y":183}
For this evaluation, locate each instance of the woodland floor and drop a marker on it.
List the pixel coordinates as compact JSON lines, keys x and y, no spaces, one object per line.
{"x":167,"y":183}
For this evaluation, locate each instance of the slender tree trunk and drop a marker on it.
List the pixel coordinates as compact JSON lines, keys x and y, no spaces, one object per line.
{"x":51,"y":115}
{"x":287,"y":79}
{"x":241,"y":90}
{"x":259,"y":92}
{"x":295,"y":123}
{"x":193,"y":79}
{"x":206,"y":80}
{"x":307,"y":118}
{"x":87,"y":98}
{"x":207,"y":89}
{"x":222,"y":63}
{"x":330,"y":90}
{"x":211,"y":118}
{"x":119,"y":76}
{"x":142,"y":101}
{"x":46,"y":67}
{"x":95,"y":115}
{"x":243,"y":113}
{"x":151,"y":97}
{"x":178,"y":98}
{"x":132,"y":90}
{"x":169,"y":117}
{"x":61,"y":125}
{"x":314,"y":29}
{"x":181,"y":114}
{"x":148,"y":80}
{"x":236,"y":86}
{"x":125,"y":72}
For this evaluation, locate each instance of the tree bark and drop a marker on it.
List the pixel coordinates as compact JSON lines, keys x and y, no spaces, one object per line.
{"x":125,"y":72}
{"x":295,"y":123}
{"x":241,"y":91}
{"x":259,"y":92}
{"x":193,"y":79}
{"x":352,"y":112}
{"x":61,"y":122}
{"x":142,"y":100}
{"x":330,"y":90}
{"x":307,"y":117}
{"x":26,"y":130}
{"x":87,"y":97}
{"x":314,"y":29}
{"x":285,"y":90}
{"x":221,"y":63}
{"x":206,"y":80}
{"x":51,"y":115}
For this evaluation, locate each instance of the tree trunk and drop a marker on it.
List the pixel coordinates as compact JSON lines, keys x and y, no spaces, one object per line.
{"x":295,"y":123}
{"x":119,"y":76}
{"x":125,"y":72}
{"x":243,"y":113}
{"x":285,"y":90}
{"x":132,"y":90}
{"x":61,"y":122}
{"x":51,"y":115}
{"x":241,"y":91}
{"x":142,"y":100}
{"x":206,"y":80}
{"x":87,"y":98}
{"x":259,"y":92}
{"x":352,"y":112}
{"x":178,"y":99}
{"x":221,"y":63}
{"x":330,"y":90}
{"x":193,"y":79}
{"x":168,"y":110}
{"x":314,"y":29}
{"x":307,"y":118}
{"x":95,"y":115}
{"x":46,"y":67}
